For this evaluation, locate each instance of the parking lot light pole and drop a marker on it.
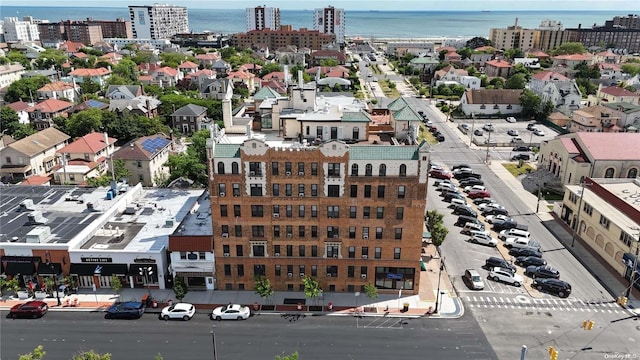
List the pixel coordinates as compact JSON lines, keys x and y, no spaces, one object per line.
{"x":473,"y":125}
{"x":55,"y":282}
{"x":147,"y":272}
{"x":438,"y":290}
{"x":488,"y":158}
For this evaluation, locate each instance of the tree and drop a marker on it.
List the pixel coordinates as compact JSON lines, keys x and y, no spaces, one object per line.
{"x":441,"y":54}
{"x":13,"y":285}
{"x":84,"y":122}
{"x":328,"y":62}
{"x":497,"y":83}
{"x":472,"y":71}
{"x":37,"y":354}
{"x":91,"y":355}
{"x":584,"y":71}
{"x":465,"y":52}
{"x":371,"y":291}
{"x":436,"y":228}
{"x":187,"y":166}
{"x":631,"y":69}
{"x":513,"y":53}
{"x":516,"y":81}
{"x":586,"y":87}
{"x":547,"y":109}
{"x":477,"y":42}
{"x":23,"y":130}
{"x":263,"y":287}
{"x":50,"y":58}
{"x":172,"y":59}
{"x":311,"y":288}
{"x":180,"y":288}
{"x":521,"y":69}
{"x":569,"y":48}
{"x":116,"y":284}
{"x":9,"y":120}
{"x":143,"y":57}
{"x":25,"y":89}
{"x":89,"y":86}
{"x":16,"y":56}
{"x":116,"y":79}
{"x":530,"y":103}
{"x":269,"y":68}
{"x":293,"y":356}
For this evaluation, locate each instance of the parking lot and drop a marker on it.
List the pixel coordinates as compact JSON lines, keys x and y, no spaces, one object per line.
{"x":479,"y":134}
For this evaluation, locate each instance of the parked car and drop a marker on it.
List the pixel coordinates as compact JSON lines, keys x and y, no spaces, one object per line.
{"x":489,"y":205}
{"x":490,"y":142}
{"x":440,"y":174}
{"x":470,"y":182}
{"x":511,"y":119}
{"x":445,"y":186}
{"x":467,"y":175}
{"x":125,"y":310}
{"x":460,"y":166}
{"x":449,"y":197}
{"x":459,"y":171}
{"x":508,"y":233}
{"x":506,"y":276}
{"x":544,"y":271}
{"x":478,"y":132}
{"x":455,"y":202}
{"x":230,"y":312}
{"x":438,"y":182}
{"x":464,"y":210}
{"x":517,"y":242}
{"x":440,"y":138}
{"x":483,"y":238}
{"x":505,"y":225}
{"x":479,"y":194}
{"x":470,"y":227}
{"x":512,"y":132}
{"x":538,"y":132}
{"x":525,"y":261}
{"x":473,"y":279}
{"x":517,"y":140}
{"x":464,"y":128}
{"x":525,"y":251}
{"x":30,"y":309}
{"x":464,"y":219}
{"x":450,"y":191}
{"x":494,"y":261}
{"x":495,"y":211}
{"x":552,"y":286}
{"x":483,"y":200}
{"x":471,"y":188}
{"x":521,"y":148}
{"x":523,"y":157}
{"x":488,"y":127}
{"x":491,"y":218}
{"x":184,"y":311}
{"x":531,"y":126}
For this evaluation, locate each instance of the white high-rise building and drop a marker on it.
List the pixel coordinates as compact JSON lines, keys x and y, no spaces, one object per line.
{"x":260,"y":18}
{"x":20,"y":30}
{"x":330,"y":20}
{"x":158,"y":21}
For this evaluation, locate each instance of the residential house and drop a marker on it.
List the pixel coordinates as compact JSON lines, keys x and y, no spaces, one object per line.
{"x":145,"y":158}
{"x":59,"y":90}
{"x":188,"y":67}
{"x":498,"y":68}
{"x":470,"y":82}
{"x":609,"y":71}
{"x":541,"y":79}
{"x":559,"y":119}
{"x":207,"y":60}
{"x":32,"y":155}
{"x":21,"y":107}
{"x":41,"y":114}
{"x":596,"y":118}
{"x":538,"y":54}
{"x":216,"y":88}
{"x":404,"y":119}
{"x":123,"y":92}
{"x":10,"y":73}
{"x":198,"y":78}
{"x":111,"y":57}
{"x":628,"y":115}
{"x":452,"y":57}
{"x":564,"y":95}
{"x":221,"y":67}
{"x":98,"y":76}
{"x":189,"y":118}
{"x":417,"y":48}
{"x":243,"y":79}
{"x":52,"y":75}
{"x":478,"y":59}
{"x":290,"y":55}
{"x":70,"y":47}
{"x":166,"y":77}
{"x":607,"y":57}
{"x":570,"y":61}
{"x":255,"y":69}
{"x":89,"y":104}
{"x":491,"y":102}
{"x":85,"y":158}
{"x":450,"y":73}
{"x":140,"y":105}
{"x":327,"y":71}
{"x":573,"y":157}
{"x":318,"y":56}
{"x":616,"y":94}
{"x":279,"y":76}
{"x":529,"y":62}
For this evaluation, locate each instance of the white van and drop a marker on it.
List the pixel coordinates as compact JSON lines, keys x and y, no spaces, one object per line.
{"x":504,"y":234}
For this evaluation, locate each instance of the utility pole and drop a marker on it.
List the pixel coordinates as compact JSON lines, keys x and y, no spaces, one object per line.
{"x":473,"y":125}
{"x":488,"y":157}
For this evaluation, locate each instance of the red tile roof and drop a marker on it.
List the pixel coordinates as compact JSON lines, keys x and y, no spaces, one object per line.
{"x":80,"y":55}
{"x":57,"y":86}
{"x":611,"y":146}
{"x":499,"y":63}
{"x":607,"y":53}
{"x":188,"y":65}
{"x":204,"y":72}
{"x":485,"y":48}
{"x":168,"y":70}
{"x":90,"y":72}
{"x":245,"y":67}
{"x":278,"y":75}
{"x":574,"y":57}
{"x":616,"y":91}
{"x":19,"y":106}
{"x":35,"y":180}
{"x":91,"y":143}
{"x":71,"y":47}
{"x":605,"y":66}
{"x":208,"y":56}
{"x":51,"y":106}
{"x":549,"y":75}
{"x":240,"y":75}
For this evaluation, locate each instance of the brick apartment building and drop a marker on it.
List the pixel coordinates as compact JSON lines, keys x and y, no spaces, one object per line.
{"x":346,"y":215}
{"x":88,"y":31}
{"x":285,"y":36}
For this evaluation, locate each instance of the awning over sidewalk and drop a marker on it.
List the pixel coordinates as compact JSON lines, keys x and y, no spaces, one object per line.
{"x":22,"y":268}
{"x":629,"y":259}
{"x":50,"y":269}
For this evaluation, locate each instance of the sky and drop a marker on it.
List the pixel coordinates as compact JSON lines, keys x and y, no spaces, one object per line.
{"x":625,"y":6}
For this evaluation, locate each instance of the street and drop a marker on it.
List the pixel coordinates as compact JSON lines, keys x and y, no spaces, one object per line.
{"x":260,"y":337}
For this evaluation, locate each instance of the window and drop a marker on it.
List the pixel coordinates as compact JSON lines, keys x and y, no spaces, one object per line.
{"x":255,"y":169}
{"x":398,"y":233}
{"x":367,"y":191}
{"x":403,"y":170}
{"x":314,"y":231}
{"x":365,"y":251}
{"x":314,"y":211}
{"x":227,"y":270}
{"x":239,"y":250}
{"x":333,"y":191}
{"x":368,"y":170}
{"x":238,"y":230}
{"x":274,"y":168}
{"x":354,"y":170}
{"x":332,"y":250}
{"x":288,"y":189}
{"x":220,"y":167}
{"x":379,"y":212}
{"x":587,"y":209}
{"x":352,"y":232}
{"x":258,"y":250}
{"x":301,"y":268}
{"x":300,"y":168}
{"x":222,"y":189}
{"x":225,"y":229}
{"x":381,"y":191}
{"x":301,"y":251}
{"x":234,"y":168}
{"x":301,"y":231}
{"x":275,"y":189}
{"x":366,"y":212}
{"x":399,"y":213}
{"x":300,"y":189}
{"x":276,"y":249}
{"x":257,"y":230}
{"x":314,"y":168}
{"x":352,"y":252}
{"x":278,"y":270}
{"x":333,"y":231}
{"x":240,"y":270}
{"x":355,"y":133}
{"x":314,"y":190}
{"x":609,"y":173}
{"x":183,"y":255}
{"x":225,"y":249}
{"x":632,"y":173}
{"x":401,"y":193}
{"x":365,"y":232}
{"x":351,"y":271}
{"x":139,"y":164}
{"x":352,"y":212}
{"x":276,"y":210}
{"x":363,"y":270}
{"x":236,"y":210}
{"x":289,"y":230}
{"x":259,"y":270}
{"x":314,"y":270}
{"x":289,"y":211}
{"x":301,"y":211}
{"x":276,"y":231}
{"x":382,"y":170}
{"x":396,"y":253}
{"x":333,"y":212}
{"x":354,"y":191}
{"x":378,"y":233}
{"x":289,"y":250}
{"x":314,"y":250}
{"x":333,"y":169}
{"x":626,"y":238}
{"x":223,"y":211}
{"x":378,"y":253}
{"x":257,"y":211}
{"x":604,"y":222}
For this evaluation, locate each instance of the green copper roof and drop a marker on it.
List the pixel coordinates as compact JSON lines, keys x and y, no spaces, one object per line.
{"x":397,"y":104}
{"x":407,"y":114}
{"x":227,"y":151}
{"x":355,"y":116}
{"x":383,"y":152}
{"x":266,"y":93}
{"x":624,"y":107}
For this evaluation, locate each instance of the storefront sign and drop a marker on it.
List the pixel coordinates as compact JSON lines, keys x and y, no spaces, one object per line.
{"x":21,"y":259}
{"x":144,"y":261}
{"x":394,"y":276}
{"x":95,"y":260}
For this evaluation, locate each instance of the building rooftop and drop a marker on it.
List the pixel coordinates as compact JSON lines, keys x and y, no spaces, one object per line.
{"x":198,"y":221}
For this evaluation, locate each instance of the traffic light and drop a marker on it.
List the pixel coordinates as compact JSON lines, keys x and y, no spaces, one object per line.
{"x":590,"y":325}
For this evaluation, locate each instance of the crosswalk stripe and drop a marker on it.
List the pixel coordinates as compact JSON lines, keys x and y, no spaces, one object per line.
{"x":474,"y":298}
{"x":508,"y":300}
{"x":555,"y":301}
{"x":501,"y":300}
{"x":494,"y":299}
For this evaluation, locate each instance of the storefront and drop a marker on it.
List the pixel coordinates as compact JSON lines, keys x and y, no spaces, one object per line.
{"x":21,"y":267}
{"x":395,"y":278}
{"x":143,"y":275}
{"x":98,"y":274}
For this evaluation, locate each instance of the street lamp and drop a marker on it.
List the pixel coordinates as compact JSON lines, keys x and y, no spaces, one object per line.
{"x":577,"y":217}
{"x":473,"y":125}
{"x":438,"y":291}
{"x":55,"y":282}
{"x":146,"y":271}
{"x":213,"y":339}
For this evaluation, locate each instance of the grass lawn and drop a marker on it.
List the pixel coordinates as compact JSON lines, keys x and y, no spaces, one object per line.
{"x":517,"y":170}
{"x":425,"y":134}
{"x":388,"y":92}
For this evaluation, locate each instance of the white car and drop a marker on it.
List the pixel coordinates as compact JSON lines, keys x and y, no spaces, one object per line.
{"x":516,"y":242}
{"x":483,"y":238}
{"x":231,"y":312}
{"x":491,"y":218}
{"x":504,"y":234}
{"x":511,"y":119}
{"x":468,"y":189}
{"x":461,"y":170}
{"x":488,"y":206}
{"x":445,"y":186}
{"x":455,"y":202}
{"x":182,"y":311}
{"x":506,"y":276}
{"x":538,"y":132}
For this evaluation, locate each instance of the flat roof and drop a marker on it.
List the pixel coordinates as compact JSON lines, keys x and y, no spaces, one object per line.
{"x":198,"y":221}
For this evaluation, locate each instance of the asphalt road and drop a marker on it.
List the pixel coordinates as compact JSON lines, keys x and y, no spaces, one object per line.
{"x":262,"y":337}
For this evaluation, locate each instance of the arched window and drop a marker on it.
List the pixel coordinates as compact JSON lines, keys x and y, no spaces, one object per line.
{"x":403,"y":170}
{"x":234,"y":168}
{"x":368,"y":170}
{"x":221,"y":168}
{"x":354,"y":170}
{"x":632,"y":173}
{"x":609,"y":173}
{"x":382,"y":171}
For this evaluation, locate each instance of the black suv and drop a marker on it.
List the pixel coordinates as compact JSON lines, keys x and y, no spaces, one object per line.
{"x":470,"y":182}
{"x":543,"y":271}
{"x":525,"y":261}
{"x":521,"y":148}
{"x":464,"y":210}
{"x":451,"y":195}
{"x":125,"y":310}
{"x":461,"y":166}
{"x":525,"y":251}
{"x":466,"y":175}
{"x":463,"y":219}
{"x":553,"y":286}
{"x":493,"y":261}
{"x":496,"y":211}
{"x":524,"y":157}
{"x":504,"y":225}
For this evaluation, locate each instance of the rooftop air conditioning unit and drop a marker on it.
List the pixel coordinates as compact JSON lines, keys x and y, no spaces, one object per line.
{"x":225,"y":235}
{"x":226,"y":255}
{"x":301,"y":173}
{"x":277,"y":254}
{"x":364,"y":276}
{"x":365,"y":256}
{"x":276,"y":215}
{"x":290,"y":274}
{"x":222,"y":194}
{"x":288,"y":173}
{"x":301,"y":274}
{"x":301,"y":194}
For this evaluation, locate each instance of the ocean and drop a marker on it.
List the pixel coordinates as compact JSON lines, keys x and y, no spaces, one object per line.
{"x":368,"y":24}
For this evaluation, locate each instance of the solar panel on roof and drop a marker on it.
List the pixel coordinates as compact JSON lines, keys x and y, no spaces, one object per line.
{"x":154,"y":145}
{"x":95,"y":103}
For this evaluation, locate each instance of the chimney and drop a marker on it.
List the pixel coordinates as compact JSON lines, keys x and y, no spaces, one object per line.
{"x":106,"y":140}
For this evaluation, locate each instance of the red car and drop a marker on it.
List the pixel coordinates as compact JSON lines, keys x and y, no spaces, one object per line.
{"x":479,"y":194}
{"x":31,"y":309}
{"x":440,"y":174}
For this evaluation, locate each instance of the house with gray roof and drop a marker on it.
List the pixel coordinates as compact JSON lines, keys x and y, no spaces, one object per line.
{"x":123,"y":92}
{"x":215,"y":88}
{"x":189,"y":118}
{"x":491,"y":102}
{"x":139,"y":105}
{"x":564,"y":95}
{"x":33,"y":155}
{"x":145,"y":158}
